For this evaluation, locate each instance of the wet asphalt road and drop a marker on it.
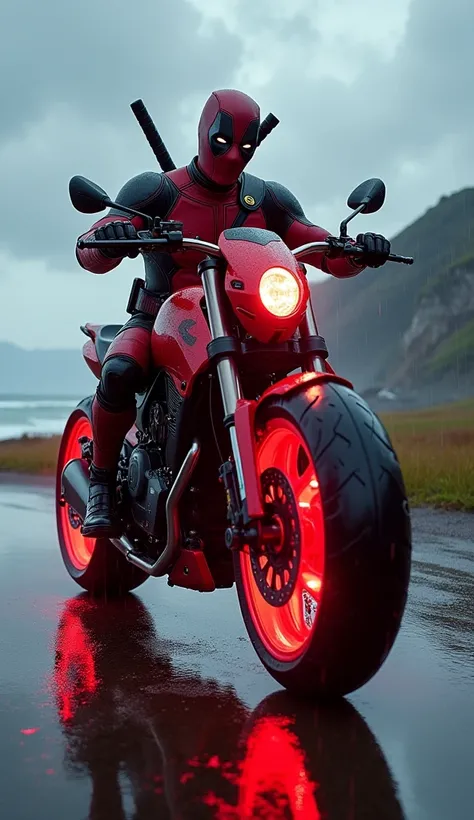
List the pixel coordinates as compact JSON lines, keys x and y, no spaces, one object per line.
{"x":157,"y":707}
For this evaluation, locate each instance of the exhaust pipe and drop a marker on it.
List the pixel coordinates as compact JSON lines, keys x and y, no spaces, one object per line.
{"x":75,"y":489}
{"x":171,"y":551}
{"x":75,"y":485}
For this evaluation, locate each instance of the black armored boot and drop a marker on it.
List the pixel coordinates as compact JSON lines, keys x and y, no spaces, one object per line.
{"x":101,"y":520}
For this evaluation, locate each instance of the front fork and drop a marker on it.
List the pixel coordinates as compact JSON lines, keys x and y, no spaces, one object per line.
{"x":308,"y":328}
{"x":231,"y":391}
{"x":227,"y":372}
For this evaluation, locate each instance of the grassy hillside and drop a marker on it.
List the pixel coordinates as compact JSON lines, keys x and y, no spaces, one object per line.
{"x":364,"y":319}
{"x":441,"y":284}
{"x":454,"y":353}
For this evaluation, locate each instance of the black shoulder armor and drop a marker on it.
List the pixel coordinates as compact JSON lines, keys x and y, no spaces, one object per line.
{"x":150,"y":192}
{"x":252,"y":192}
{"x":282,"y":205}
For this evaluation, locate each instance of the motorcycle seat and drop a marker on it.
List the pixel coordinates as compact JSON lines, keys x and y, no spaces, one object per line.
{"x":104,"y":338}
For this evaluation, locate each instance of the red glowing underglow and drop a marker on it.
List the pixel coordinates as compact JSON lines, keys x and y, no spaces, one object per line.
{"x":29,"y":731}
{"x":75,"y":673}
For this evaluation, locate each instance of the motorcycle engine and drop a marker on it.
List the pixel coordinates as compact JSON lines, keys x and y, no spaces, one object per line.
{"x":157,"y":423}
{"x":138,"y":466}
{"x":148,"y":488}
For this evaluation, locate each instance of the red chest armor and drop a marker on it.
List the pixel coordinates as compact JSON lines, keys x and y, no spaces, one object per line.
{"x":205,"y":214}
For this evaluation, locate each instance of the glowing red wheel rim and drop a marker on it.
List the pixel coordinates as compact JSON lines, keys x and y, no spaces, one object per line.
{"x":285,"y":613}
{"x":78,"y":548}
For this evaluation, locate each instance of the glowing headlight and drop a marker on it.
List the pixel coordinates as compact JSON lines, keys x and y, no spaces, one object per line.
{"x":279,"y":291}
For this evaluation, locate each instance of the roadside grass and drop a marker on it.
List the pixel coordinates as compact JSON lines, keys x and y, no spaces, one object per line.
{"x":30,"y":456}
{"x":435,"y":448}
{"x":436,"y":452}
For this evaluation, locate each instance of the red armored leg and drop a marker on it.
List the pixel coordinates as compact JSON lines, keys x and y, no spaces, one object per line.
{"x":113,"y":412}
{"x":124,"y":373}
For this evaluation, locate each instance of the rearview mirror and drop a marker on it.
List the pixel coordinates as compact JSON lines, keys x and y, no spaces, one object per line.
{"x":86,"y":196}
{"x":369,"y":196}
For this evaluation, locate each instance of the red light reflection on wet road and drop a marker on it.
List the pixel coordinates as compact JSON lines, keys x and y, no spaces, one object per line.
{"x":274,"y":766}
{"x":75,"y":674}
{"x":141,"y":730}
{"x":272,"y":780}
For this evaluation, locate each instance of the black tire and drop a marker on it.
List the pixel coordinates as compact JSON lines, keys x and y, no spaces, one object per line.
{"x":104,"y":570}
{"x":367,"y":543}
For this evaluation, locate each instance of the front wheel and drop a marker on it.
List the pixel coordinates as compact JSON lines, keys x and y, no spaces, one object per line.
{"x":93,"y":563}
{"x":323,"y":602}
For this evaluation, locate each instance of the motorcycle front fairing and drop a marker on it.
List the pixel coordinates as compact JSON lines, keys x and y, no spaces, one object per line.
{"x":251,"y":253}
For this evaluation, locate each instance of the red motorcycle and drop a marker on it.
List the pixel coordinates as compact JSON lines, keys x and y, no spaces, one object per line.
{"x":251,"y":462}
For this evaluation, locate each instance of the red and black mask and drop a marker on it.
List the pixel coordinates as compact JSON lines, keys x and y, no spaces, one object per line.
{"x":227,"y":135}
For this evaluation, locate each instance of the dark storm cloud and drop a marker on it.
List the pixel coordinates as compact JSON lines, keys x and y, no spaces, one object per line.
{"x":98,"y":55}
{"x":68,"y":72}
{"x":409,"y":119}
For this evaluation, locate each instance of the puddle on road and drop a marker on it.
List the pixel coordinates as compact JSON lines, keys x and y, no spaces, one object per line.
{"x":127,"y":709}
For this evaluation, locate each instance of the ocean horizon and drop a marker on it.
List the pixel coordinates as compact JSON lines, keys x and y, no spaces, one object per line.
{"x":34,"y":415}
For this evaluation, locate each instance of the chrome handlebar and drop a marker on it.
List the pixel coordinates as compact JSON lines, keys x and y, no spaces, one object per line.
{"x":300,"y":253}
{"x":186,"y":244}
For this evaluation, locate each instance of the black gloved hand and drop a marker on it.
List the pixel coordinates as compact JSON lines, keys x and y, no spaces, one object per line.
{"x":117,"y":230}
{"x":376,"y":249}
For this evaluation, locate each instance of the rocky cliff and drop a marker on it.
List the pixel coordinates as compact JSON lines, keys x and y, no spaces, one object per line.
{"x":409,"y":326}
{"x":439,"y":344}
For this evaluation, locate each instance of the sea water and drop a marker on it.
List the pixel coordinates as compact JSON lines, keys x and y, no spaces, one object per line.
{"x":34,"y":415}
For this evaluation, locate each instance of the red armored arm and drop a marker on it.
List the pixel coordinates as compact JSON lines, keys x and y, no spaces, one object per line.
{"x":285,"y":216}
{"x":94,"y":260}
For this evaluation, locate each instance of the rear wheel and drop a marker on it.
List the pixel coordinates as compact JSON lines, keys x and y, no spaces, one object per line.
{"x":95,"y":564}
{"x":323,"y":602}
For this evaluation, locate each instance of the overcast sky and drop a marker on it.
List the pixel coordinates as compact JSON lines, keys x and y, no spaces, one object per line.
{"x":367,"y":88}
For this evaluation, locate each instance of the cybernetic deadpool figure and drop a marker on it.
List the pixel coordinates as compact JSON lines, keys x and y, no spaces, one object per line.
{"x":209,"y":195}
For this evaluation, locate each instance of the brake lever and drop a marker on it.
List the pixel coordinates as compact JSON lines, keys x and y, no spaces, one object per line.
{"x":144,"y":235}
{"x":337,"y":247}
{"x":170,"y":232}
{"x":341,"y":247}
